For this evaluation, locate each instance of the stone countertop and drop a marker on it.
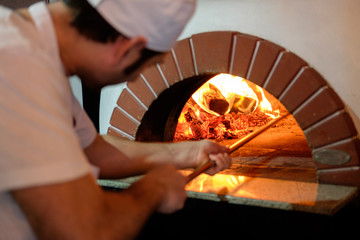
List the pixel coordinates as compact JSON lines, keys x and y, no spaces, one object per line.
{"x":262,"y":192}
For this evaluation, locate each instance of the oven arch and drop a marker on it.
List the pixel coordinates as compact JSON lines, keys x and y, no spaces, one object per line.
{"x":316,"y":107}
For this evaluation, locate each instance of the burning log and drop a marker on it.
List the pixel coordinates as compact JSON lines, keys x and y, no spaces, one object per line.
{"x":214,"y":100}
{"x":244,"y":104}
{"x":204,"y":125}
{"x":195,"y":124}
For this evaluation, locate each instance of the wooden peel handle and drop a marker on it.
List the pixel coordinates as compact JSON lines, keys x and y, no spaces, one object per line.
{"x":235,"y":146}
{"x":200,"y":170}
{"x":254,"y":134}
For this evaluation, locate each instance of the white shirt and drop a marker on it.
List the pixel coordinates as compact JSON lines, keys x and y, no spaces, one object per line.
{"x":39,"y":143}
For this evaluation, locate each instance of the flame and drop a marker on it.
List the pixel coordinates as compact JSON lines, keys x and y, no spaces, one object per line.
{"x":182,"y":125}
{"x":265,"y":105}
{"x":225,"y":107}
{"x":234,"y":89}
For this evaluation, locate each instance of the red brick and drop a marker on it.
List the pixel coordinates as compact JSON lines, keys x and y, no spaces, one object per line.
{"x":243,"y":52}
{"x":113,"y":132}
{"x":263,"y":61}
{"x":141,"y":90}
{"x":301,"y":89}
{"x":285,"y":70}
{"x":127,"y":102}
{"x":120,"y":121}
{"x":324,"y":103}
{"x":212,"y":51}
{"x":169,"y":69}
{"x":154,"y":78}
{"x":347,"y":177}
{"x":184,"y":57}
{"x":335,"y":128}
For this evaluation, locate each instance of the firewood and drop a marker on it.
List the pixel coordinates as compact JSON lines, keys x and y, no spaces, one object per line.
{"x":244,"y":104}
{"x":195,"y":124}
{"x":214,"y":100}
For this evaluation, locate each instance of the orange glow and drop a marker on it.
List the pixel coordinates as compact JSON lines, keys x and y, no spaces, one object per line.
{"x":265,"y":105}
{"x":225,"y":107}
{"x":265,"y":189}
{"x":234,"y":89}
{"x":218,"y":184}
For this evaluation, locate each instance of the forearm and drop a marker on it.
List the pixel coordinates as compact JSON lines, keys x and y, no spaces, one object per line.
{"x":81,"y":210}
{"x":118,"y":158}
{"x":149,"y":153}
{"x":188,"y":154}
{"x":127,"y":212}
{"x":112,"y":162}
{"x":155,"y":153}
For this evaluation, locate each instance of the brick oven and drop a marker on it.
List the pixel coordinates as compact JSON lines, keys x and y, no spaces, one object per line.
{"x":314,"y":166}
{"x":316,"y":107}
{"x":325,"y":144}
{"x":308,"y":164}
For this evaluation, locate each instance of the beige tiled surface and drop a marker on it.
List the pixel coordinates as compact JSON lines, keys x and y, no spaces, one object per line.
{"x":263,"y":192}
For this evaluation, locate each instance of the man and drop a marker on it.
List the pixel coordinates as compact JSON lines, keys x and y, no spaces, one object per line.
{"x":47,"y":188}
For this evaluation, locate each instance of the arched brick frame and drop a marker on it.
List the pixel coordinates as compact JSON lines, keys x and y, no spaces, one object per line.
{"x":316,"y":107}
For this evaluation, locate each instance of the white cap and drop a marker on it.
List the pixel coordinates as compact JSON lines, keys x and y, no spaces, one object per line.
{"x":159,"y":21}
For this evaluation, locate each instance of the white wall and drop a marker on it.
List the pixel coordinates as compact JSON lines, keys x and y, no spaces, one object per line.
{"x":325,"y":33}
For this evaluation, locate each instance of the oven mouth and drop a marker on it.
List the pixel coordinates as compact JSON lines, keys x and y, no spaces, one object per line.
{"x":280,"y":152}
{"x":148,"y":109}
{"x":160,"y":120}
{"x":315,"y":106}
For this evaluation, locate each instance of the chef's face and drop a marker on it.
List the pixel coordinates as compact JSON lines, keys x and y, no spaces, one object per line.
{"x":112,"y":74}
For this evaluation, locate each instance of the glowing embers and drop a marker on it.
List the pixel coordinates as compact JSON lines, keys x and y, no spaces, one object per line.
{"x":225,"y":107}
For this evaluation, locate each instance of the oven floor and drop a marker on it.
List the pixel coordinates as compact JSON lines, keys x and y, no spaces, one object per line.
{"x":275,"y":170}
{"x":281,"y":152}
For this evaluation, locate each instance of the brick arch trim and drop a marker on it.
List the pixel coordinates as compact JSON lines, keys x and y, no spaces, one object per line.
{"x":316,"y":107}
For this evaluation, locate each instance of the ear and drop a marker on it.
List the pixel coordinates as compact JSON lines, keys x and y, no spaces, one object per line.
{"x":128,"y":51}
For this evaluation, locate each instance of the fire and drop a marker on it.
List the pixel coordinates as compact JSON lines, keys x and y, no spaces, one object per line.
{"x":222,"y":184}
{"x":230,"y":92}
{"x":265,"y":105}
{"x":225,"y":107}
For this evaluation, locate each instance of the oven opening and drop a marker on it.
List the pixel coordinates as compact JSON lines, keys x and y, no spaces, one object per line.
{"x":225,"y":108}
{"x":294,"y":165}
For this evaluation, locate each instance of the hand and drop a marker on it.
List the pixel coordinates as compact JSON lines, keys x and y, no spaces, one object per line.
{"x":171,"y":185}
{"x":195,"y":154}
{"x":222,"y":160}
{"x":214,"y":152}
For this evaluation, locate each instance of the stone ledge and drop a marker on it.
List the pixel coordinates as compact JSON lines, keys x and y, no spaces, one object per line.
{"x":308,"y":197}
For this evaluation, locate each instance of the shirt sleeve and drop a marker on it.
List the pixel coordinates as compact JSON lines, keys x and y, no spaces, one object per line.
{"x":84,"y":127}
{"x":38,"y":144}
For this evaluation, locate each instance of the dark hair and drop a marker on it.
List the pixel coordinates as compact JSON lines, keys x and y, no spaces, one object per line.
{"x":90,"y":23}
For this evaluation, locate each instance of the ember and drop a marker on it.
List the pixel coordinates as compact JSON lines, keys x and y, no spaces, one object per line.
{"x":223,"y":108}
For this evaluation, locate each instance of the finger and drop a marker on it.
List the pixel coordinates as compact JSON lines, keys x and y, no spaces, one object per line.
{"x":213,"y":147}
{"x":222,"y":160}
{"x":225,"y":161}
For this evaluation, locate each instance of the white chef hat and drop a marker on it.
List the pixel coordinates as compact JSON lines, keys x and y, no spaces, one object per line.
{"x":159,"y":21}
